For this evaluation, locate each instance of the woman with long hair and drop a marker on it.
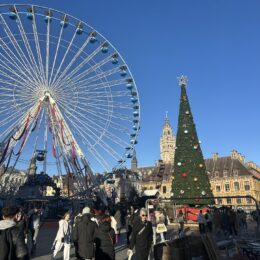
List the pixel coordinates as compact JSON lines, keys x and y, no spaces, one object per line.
{"x":63,"y":237}
{"x":105,"y":239}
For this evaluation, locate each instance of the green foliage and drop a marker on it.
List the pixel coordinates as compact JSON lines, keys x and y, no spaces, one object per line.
{"x":190,"y":177}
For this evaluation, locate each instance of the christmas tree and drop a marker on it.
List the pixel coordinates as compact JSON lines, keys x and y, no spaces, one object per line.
{"x":190,"y":179}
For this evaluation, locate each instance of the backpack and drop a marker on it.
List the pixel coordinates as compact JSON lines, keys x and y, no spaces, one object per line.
{"x":5,"y":246}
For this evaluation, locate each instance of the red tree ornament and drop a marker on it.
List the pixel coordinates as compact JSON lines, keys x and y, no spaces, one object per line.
{"x":197,"y":200}
{"x":184,"y":174}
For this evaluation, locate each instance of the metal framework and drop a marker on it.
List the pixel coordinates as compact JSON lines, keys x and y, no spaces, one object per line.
{"x":63,"y":85}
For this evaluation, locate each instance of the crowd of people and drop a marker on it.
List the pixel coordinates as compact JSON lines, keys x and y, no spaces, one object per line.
{"x":223,"y":221}
{"x":94,"y":233}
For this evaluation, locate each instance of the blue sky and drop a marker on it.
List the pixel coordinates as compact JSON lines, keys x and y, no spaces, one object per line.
{"x":215,"y":43}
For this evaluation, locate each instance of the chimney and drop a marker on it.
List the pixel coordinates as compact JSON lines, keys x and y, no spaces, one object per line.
{"x":215,"y":156}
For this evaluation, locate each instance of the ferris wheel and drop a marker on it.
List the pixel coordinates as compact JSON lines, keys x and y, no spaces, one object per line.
{"x":67,"y":97}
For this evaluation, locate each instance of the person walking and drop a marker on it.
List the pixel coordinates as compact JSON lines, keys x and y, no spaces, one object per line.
{"x":118,"y":219}
{"x":181,"y":219}
{"x":77,"y":219}
{"x":105,"y":240}
{"x":21,"y":220}
{"x":34,"y":224}
{"x":208,"y":218}
{"x":84,"y":234}
{"x":201,"y":220}
{"x":232,"y":222}
{"x":63,"y":237}
{"x":12,"y":241}
{"x":129,"y":225}
{"x":142,"y":237}
{"x":161,"y":222}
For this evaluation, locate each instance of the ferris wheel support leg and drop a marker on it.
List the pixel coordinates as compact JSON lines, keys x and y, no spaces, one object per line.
{"x":45,"y":144}
{"x":88,"y":172}
{"x":17,"y":130}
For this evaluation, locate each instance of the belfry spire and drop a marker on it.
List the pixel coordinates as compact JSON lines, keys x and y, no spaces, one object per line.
{"x":167,"y":142}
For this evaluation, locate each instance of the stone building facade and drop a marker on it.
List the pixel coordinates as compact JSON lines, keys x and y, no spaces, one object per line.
{"x":233,"y":176}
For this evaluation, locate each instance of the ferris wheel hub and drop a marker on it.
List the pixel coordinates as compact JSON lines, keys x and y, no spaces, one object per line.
{"x":47,"y":96}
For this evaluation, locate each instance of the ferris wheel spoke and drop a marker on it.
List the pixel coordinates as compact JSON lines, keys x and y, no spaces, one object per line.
{"x":9,"y":108}
{"x":16,"y":46}
{"x":84,"y":123}
{"x":11,"y":119}
{"x":107,"y":148}
{"x":23,"y":144}
{"x":103,"y":85}
{"x":102,"y":107}
{"x":100,"y":76}
{"x":105,"y":104}
{"x":13,"y":58}
{"x":85,"y":117}
{"x":64,"y":57}
{"x":38,"y":133}
{"x":19,"y":79}
{"x":97,"y":77}
{"x":93,"y":151}
{"x":87,"y":123}
{"x":28,"y":49}
{"x":56,"y":53}
{"x":80,"y":50}
{"x":19,"y":119}
{"x":17,"y":67}
{"x":38,"y":49}
{"x":103,"y":94}
{"x":8,"y":86}
{"x":47,"y":50}
{"x":100,"y":116}
{"x":89,"y":70}
{"x":114,"y":138}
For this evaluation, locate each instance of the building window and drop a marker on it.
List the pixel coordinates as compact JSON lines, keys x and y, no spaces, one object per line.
{"x":216,"y":174}
{"x":164,"y":189}
{"x":238,"y":200}
{"x":228,"y":200}
{"x":227,"y":187}
{"x":236,"y":185}
{"x":247,"y":185}
{"x":218,"y":188}
{"x":235,"y":172}
{"x":225,"y":173}
{"x":219,"y":201}
{"x":248,"y":201}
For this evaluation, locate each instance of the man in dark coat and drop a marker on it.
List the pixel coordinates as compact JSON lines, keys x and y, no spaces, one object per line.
{"x":142,"y":237}
{"x":105,"y":240}
{"x":12,"y":242}
{"x":77,"y":220}
{"x":84,"y":235}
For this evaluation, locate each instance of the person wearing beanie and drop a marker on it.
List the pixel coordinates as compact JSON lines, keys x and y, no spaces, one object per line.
{"x":84,"y":234}
{"x":12,"y":241}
